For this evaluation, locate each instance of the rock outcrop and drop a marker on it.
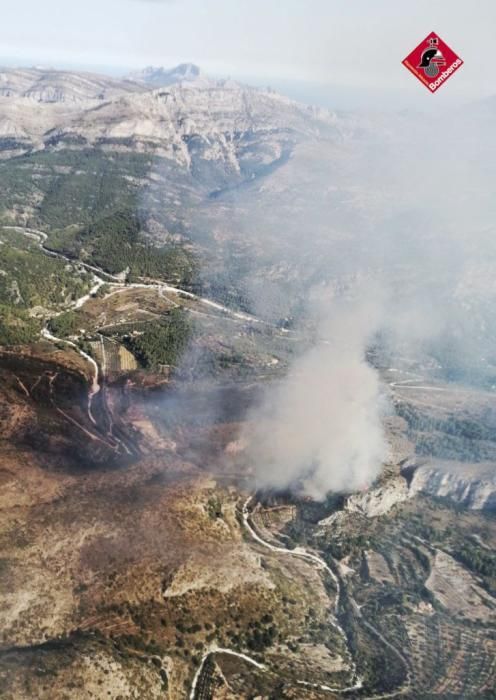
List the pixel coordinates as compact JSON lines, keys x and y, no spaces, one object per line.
{"x":472,"y":486}
{"x":380,"y":499}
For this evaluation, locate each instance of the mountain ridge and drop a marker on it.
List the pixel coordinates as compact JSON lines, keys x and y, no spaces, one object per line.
{"x":211,"y":120}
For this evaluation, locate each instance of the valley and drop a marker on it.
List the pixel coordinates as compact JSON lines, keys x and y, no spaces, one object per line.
{"x":170,"y":246}
{"x":184,"y":453}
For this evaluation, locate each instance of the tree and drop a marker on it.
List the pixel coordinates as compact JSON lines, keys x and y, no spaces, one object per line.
{"x":64,"y":324}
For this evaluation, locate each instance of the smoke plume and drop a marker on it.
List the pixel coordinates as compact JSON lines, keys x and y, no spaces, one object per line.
{"x":320,"y":429}
{"x":400,"y":201}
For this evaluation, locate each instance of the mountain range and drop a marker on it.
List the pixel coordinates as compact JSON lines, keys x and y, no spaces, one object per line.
{"x":155,"y":108}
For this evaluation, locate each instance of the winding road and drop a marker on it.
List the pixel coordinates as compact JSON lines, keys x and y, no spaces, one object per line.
{"x":95,"y":384}
{"x":313,"y":558}
{"x":117,"y":282}
{"x":310,"y":556}
{"x":101,"y":277}
{"x":322,"y":565}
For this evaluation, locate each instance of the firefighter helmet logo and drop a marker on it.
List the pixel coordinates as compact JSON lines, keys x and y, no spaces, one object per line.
{"x":432,"y":59}
{"x":432,"y":62}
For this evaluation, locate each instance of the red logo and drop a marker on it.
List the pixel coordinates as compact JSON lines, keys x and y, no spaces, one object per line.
{"x":432,"y":62}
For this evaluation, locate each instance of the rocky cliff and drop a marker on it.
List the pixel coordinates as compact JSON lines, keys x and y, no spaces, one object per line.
{"x":195,"y":117}
{"x":472,"y":486}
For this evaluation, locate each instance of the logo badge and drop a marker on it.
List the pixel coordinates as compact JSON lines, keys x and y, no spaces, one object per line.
{"x":432,"y":62}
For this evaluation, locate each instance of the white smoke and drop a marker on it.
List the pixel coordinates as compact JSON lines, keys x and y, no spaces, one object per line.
{"x":321,"y":428}
{"x":405,"y":200}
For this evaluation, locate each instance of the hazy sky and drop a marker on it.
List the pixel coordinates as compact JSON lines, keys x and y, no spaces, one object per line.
{"x":359,"y":43}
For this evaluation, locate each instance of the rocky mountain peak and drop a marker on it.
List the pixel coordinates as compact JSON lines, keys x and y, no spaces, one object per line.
{"x":162,"y":77}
